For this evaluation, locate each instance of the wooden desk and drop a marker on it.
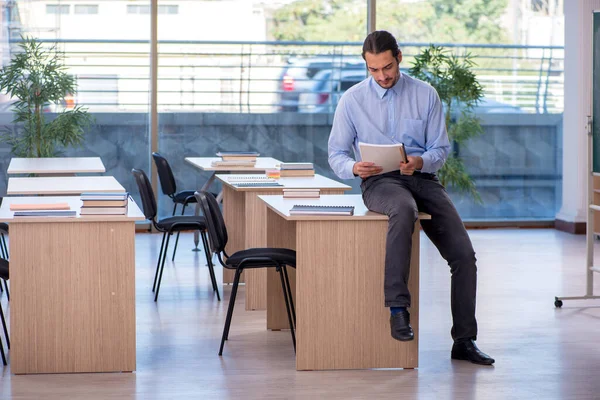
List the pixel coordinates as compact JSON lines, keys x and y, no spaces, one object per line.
{"x":58,"y":165}
{"x":246,"y":217}
{"x":342,"y":322}
{"x":205,"y":164}
{"x":68,"y":185}
{"x":72,"y":280}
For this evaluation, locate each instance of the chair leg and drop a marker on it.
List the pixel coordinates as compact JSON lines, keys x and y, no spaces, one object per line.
{"x":236,"y":281}
{"x":177,"y":239}
{"x":4,"y":327}
{"x":289,"y":292}
{"x":5,"y":247}
{"x":162,"y":245}
{"x":287,"y":307}
{"x":162,"y":267}
{"x":7,"y":292}
{"x":2,"y":353}
{"x":211,"y":269}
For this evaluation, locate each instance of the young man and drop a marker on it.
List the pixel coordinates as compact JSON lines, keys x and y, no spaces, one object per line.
{"x":386,"y":108}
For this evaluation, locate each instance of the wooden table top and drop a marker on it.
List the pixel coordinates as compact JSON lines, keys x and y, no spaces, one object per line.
{"x":58,"y":165}
{"x":282,"y":207}
{"x":69,"y":185}
{"x":303,"y":182}
{"x":133,"y":211}
{"x":204,"y":163}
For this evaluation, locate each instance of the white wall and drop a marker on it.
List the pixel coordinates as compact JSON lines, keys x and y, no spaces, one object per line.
{"x":578,"y":82}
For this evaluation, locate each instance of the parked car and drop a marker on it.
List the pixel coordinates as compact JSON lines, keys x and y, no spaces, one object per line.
{"x":329,"y":85}
{"x":298,"y":77}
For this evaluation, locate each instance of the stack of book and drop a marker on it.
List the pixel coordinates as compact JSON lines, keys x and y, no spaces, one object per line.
{"x":297,"y":169}
{"x":301,"y":193}
{"x":236,"y":159}
{"x":305,"y":209}
{"x":104,"y":203}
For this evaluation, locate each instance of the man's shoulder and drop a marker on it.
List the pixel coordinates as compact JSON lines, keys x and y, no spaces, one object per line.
{"x":417,"y":83}
{"x":357,"y":91}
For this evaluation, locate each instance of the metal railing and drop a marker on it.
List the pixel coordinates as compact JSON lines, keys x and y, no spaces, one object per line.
{"x":247,"y":77}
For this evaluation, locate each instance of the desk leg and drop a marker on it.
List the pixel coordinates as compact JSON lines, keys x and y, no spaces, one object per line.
{"x":206,"y":185}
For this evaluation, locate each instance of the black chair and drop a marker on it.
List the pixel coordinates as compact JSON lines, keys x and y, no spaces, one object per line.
{"x":245,"y":259}
{"x":4,"y":276}
{"x":169,"y":187}
{"x":4,"y":251}
{"x":168,"y":226}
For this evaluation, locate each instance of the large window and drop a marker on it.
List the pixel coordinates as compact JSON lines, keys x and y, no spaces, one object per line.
{"x":267,"y":75}
{"x":108,"y":54}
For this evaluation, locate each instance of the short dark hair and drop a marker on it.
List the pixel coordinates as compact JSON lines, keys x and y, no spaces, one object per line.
{"x":379,"y":42}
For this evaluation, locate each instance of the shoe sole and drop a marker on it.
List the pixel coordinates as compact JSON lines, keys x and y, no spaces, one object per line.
{"x":404,"y":339}
{"x":474,"y":362}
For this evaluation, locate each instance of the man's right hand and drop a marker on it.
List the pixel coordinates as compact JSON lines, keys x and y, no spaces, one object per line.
{"x":366,"y":169}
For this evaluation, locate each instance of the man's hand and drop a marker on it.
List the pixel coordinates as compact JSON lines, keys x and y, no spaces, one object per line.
{"x":366,"y":169}
{"x":414,"y":163}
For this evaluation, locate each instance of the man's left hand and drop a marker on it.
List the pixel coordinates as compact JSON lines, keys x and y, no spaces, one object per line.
{"x":414,"y":163}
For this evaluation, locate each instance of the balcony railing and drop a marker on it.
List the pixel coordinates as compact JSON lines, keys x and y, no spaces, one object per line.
{"x":247,"y":77}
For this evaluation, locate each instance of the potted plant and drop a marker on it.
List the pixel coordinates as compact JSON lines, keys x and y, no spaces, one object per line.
{"x":460,"y":92}
{"x":37,"y":79}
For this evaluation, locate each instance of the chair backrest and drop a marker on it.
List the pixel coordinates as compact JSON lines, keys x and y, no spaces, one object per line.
{"x":146,"y":193}
{"x":165,"y":174}
{"x":215,"y":224}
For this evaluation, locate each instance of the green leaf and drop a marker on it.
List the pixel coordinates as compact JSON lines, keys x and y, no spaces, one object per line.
{"x":37,"y":78}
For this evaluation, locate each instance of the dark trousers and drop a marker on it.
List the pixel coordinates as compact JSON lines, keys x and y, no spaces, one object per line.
{"x":401,"y":197}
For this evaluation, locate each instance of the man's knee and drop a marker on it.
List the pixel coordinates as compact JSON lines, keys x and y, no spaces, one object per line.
{"x":463,"y":259}
{"x":402,"y":213}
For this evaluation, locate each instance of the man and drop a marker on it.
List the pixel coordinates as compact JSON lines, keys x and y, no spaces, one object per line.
{"x":386,"y":108}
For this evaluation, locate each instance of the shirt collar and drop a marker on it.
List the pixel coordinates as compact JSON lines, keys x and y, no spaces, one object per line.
{"x":381,"y":91}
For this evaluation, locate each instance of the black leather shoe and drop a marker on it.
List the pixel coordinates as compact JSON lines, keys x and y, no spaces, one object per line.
{"x":400,"y":325}
{"x":467,"y":350}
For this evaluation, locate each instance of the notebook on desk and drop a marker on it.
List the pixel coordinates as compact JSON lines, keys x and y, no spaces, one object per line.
{"x":304,"y":209}
{"x":46,"y":213}
{"x":256,"y":184}
{"x":249,"y":179}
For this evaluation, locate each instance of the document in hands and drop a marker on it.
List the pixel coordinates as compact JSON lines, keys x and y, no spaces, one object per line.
{"x":387,"y":156}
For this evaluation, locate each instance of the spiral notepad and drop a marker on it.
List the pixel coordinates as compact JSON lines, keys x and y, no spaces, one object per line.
{"x":249,"y":178}
{"x":256,"y":184}
{"x":305,"y":209}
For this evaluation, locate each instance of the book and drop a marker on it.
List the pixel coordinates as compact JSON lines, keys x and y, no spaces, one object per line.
{"x":302,"y":193}
{"x":103,"y":211}
{"x":305,"y":209}
{"x":238,"y":158}
{"x":238,"y":154}
{"x":249,"y":178}
{"x":40,"y":206}
{"x":256,"y":184}
{"x":387,"y":156}
{"x":104,"y":196}
{"x":287,"y":173}
{"x":245,"y":164}
{"x":296,"y":165}
{"x":46,"y":213}
{"x":105,"y":203}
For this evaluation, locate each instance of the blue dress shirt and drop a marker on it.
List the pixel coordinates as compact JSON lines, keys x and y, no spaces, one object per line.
{"x":410,"y":112}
